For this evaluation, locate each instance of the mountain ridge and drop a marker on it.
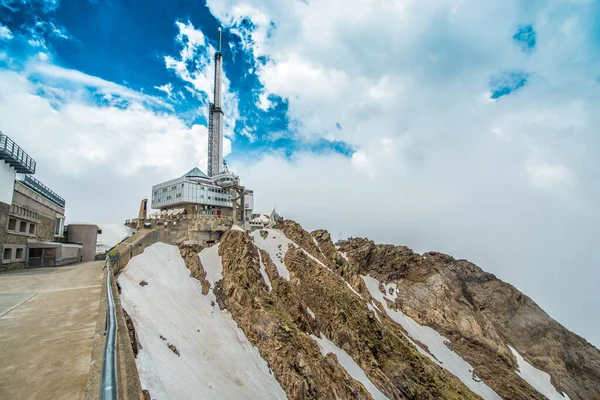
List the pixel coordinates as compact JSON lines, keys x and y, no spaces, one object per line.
{"x":358,"y":320}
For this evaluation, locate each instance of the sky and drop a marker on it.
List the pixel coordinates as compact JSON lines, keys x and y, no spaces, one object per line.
{"x":461,"y":126}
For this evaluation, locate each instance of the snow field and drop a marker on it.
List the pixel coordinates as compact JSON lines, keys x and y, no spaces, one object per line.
{"x":111,"y":235}
{"x":538,"y":379}
{"x":216,"y":361}
{"x":276,"y":245}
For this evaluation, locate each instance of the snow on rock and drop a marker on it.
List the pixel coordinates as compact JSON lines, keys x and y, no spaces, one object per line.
{"x":111,"y":235}
{"x":344,"y":256}
{"x":538,"y":379}
{"x":263,"y":272}
{"x":276,"y":245}
{"x":215,"y":359}
{"x":370,"y":307}
{"x":354,"y":370}
{"x":436,"y":343}
{"x":311,"y":313}
{"x":236,"y":228}
{"x":211,"y":262}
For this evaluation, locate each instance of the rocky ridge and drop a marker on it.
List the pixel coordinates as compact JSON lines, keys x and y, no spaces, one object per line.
{"x":290,"y":291}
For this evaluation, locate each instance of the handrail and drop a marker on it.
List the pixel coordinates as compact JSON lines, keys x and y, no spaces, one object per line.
{"x":20,"y":160}
{"x":108,"y":387}
{"x":42,"y":189}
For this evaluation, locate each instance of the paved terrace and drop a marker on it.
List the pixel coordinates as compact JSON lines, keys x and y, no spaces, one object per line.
{"x":47,"y":325}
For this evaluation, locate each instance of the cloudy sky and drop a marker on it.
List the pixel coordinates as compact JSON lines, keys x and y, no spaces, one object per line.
{"x":461,"y":126}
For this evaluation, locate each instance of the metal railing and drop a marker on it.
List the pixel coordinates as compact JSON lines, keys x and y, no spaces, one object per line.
{"x":42,"y":189}
{"x":108,"y":386}
{"x":15,"y":156}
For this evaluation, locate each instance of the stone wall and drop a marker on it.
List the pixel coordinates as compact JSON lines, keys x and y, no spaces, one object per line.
{"x":45,"y":229}
{"x":9,"y":238}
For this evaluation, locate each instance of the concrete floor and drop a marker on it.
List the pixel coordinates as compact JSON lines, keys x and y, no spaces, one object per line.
{"x":47,"y":324}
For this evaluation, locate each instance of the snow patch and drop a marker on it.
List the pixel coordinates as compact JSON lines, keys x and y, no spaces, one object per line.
{"x":370,"y":307}
{"x":538,"y":379}
{"x":436,"y":343}
{"x":111,"y":235}
{"x":236,"y":228}
{"x":211,"y":262}
{"x":344,"y":256}
{"x":216,"y":360}
{"x":276,"y":245}
{"x":263,"y":272}
{"x":318,"y":247}
{"x":353,"y":369}
{"x":312,"y":314}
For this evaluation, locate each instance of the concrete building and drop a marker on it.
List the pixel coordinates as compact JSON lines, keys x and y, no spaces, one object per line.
{"x":31,"y":215}
{"x":87,"y":235}
{"x":217,"y":193}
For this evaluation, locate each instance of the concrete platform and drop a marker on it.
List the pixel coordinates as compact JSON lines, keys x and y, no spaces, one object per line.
{"x":47,"y":325}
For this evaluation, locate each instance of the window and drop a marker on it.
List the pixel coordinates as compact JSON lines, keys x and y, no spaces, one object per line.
{"x":12,"y":224}
{"x":174,"y":187}
{"x":23,"y":226}
{"x":168,"y":197}
{"x":19,"y":254}
{"x":164,"y":190}
{"x":7,"y":254}
{"x":32,"y":229}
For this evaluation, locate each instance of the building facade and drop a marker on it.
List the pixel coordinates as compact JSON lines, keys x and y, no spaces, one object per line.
{"x":32,"y":216}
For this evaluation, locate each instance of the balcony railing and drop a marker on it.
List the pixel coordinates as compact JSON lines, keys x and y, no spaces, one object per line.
{"x":42,"y":189}
{"x":13,"y":155}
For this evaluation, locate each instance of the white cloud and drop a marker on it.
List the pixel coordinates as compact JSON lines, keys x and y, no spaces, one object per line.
{"x":61,"y":76}
{"x":112,"y":154}
{"x":5,"y":33}
{"x":439,"y":164}
{"x":548,"y":177}
{"x":167,"y":88}
{"x":195,"y":66}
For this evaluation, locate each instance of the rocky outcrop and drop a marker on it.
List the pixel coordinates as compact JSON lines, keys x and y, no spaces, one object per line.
{"x":189,"y":252}
{"x":481,"y":315}
{"x":279,"y":324}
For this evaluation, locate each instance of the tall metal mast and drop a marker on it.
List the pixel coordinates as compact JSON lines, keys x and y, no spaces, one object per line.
{"x":215,"y":120}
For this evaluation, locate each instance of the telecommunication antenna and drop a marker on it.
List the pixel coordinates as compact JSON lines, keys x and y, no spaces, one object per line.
{"x":220,"y":39}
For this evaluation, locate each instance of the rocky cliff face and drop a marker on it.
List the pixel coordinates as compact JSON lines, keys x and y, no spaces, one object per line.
{"x":357,"y":320}
{"x":481,"y":315}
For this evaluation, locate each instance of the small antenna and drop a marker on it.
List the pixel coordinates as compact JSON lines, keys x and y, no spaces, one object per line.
{"x":219,"y":39}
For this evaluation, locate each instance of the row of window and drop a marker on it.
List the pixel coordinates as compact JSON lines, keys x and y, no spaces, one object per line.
{"x":174,"y":187}
{"x":20,"y":226}
{"x":24,"y":212}
{"x":13,"y":253}
{"x":218,"y":199}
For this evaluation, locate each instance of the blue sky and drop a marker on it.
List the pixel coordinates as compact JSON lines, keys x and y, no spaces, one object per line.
{"x":127,"y":43}
{"x":461,"y":126}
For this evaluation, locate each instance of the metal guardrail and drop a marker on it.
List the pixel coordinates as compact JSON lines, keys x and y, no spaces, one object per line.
{"x":42,"y":189}
{"x":15,"y":156}
{"x":108,"y":386}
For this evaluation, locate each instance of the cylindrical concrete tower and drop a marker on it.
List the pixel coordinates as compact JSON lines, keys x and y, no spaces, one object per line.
{"x":86,"y":234}
{"x":215,"y":120}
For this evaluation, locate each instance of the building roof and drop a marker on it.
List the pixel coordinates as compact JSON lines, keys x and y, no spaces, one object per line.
{"x":195,"y":173}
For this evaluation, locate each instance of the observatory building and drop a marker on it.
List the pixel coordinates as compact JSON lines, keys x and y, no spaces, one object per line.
{"x":216,"y":193}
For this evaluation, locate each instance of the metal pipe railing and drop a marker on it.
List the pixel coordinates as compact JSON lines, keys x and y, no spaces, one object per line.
{"x":108,"y":386}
